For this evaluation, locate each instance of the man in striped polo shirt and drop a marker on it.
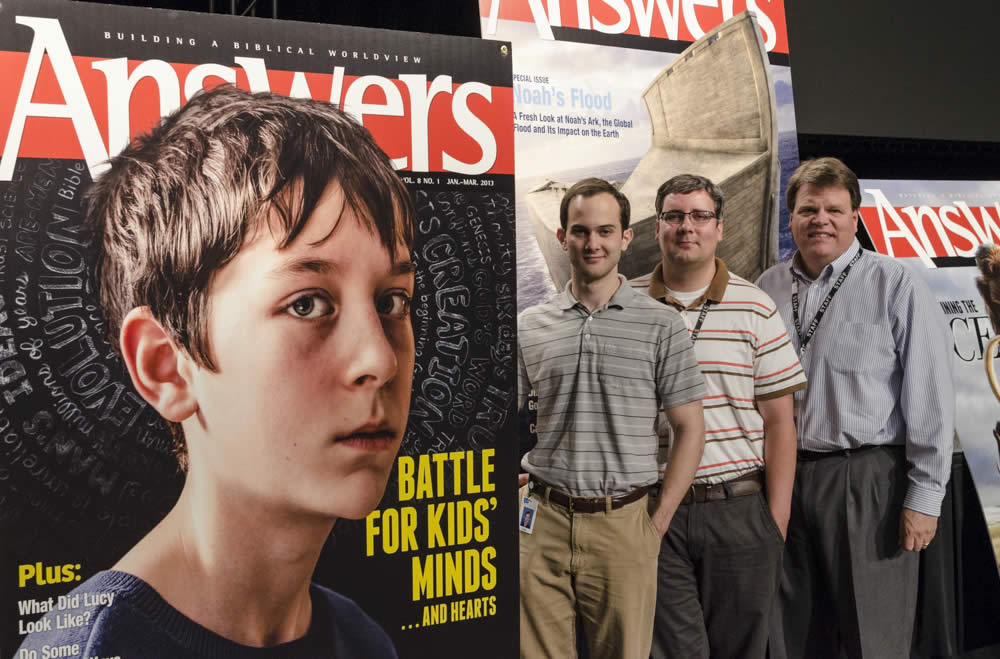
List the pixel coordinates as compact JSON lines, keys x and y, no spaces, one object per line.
{"x":721,"y":558}
{"x":602,"y":360}
{"x":875,"y":428}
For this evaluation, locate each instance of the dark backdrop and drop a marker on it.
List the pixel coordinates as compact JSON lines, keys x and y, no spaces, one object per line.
{"x":901,"y":89}
{"x":898,"y":89}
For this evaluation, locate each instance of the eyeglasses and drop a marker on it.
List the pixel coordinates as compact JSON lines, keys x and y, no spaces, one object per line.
{"x":677,"y":217}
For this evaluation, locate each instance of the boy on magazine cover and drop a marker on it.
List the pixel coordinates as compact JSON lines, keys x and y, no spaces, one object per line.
{"x":255,"y":276}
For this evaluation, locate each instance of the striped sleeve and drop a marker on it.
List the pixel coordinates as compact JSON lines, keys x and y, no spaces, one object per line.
{"x":777,"y":371}
{"x":678,"y":375}
{"x":923,"y":339}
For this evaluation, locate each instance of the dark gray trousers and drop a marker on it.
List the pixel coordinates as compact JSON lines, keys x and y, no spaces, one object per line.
{"x":847,"y":588}
{"x":718,"y":571}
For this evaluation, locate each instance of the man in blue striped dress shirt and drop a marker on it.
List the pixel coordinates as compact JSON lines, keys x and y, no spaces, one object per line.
{"x":875,"y":428}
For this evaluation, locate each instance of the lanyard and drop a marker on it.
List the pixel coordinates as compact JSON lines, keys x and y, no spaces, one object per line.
{"x":804,"y":339}
{"x":701,"y":319}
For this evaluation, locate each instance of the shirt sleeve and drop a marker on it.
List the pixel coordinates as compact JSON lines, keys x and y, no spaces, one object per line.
{"x":927,"y":393}
{"x":776,"y":368}
{"x":679,"y":379}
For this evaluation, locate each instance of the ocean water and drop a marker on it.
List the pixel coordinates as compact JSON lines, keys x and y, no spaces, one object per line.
{"x":788,"y":157}
{"x":533,"y":282}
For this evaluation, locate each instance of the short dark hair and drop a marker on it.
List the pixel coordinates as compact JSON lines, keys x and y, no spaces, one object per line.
{"x":686,"y":184}
{"x":824,"y":173}
{"x":179,"y":203}
{"x":590,"y":187}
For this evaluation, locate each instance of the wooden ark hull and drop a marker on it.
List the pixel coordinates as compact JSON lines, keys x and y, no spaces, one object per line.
{"x":713,"y":113}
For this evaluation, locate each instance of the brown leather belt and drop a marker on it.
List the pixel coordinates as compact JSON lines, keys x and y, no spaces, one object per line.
{"x":751,"y":483}
{"x":586,"y":504}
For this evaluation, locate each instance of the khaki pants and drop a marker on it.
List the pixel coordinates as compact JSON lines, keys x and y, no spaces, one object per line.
{"x":601,"y":566}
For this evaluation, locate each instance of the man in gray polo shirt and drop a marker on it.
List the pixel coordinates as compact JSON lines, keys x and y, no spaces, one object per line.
{"x":602,"y":359}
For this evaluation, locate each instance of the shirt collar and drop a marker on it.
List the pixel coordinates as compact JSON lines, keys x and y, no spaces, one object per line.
{"x":566,"y":300}
{"x":716,"y":289}
{"x":719,"y":282}
{"x":831,"y":270}
{"x":622,"y":296}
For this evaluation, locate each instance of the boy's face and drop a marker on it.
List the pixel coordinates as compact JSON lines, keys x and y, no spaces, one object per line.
{"x":314,"y":350}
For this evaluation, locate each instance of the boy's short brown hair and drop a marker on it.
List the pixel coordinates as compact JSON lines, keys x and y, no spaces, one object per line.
{"x":180,"y":202}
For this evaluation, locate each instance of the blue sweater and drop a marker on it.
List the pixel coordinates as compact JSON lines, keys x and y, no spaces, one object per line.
{"x":139,"y":624}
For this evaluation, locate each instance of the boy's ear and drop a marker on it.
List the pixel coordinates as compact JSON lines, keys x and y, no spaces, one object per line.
{"x":160,"y":370}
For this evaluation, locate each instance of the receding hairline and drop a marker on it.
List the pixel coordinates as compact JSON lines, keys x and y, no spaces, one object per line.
{"x":832,"y":185}
{"x":824,"y":172}
{"x":582,"y":197}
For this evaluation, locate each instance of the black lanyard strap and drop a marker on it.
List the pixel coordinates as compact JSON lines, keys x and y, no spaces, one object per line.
{"x":701,"y":319}
{"x":804,"y":339}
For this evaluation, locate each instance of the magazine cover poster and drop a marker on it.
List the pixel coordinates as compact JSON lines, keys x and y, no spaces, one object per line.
{"x":636,"y":93}
{"x":936,"y":227}
{"x":87,"y":462}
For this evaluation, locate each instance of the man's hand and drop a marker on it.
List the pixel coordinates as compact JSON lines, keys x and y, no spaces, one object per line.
{"x":688,"y":424}
{"x":916,"y":530}
{"x":522,"y":480}
{"x":661,"y":521}
{"x":781,"y":519}
{"x":779,"y":454}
